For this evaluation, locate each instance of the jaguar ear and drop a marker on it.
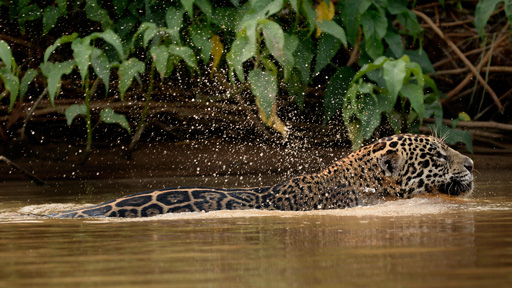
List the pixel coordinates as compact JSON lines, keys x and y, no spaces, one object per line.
{"x":391,"y":162}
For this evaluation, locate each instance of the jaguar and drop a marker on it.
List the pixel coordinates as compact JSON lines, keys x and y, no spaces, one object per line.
{"x":399,"y":166}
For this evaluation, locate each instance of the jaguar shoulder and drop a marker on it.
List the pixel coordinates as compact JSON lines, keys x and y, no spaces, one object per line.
{"x":401,"y":166}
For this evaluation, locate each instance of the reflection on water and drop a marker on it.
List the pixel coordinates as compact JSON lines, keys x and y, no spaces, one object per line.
{"x":424,"y":242}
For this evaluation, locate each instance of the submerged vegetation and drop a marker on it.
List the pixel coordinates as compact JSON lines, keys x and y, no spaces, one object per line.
{"x":367,"y":62}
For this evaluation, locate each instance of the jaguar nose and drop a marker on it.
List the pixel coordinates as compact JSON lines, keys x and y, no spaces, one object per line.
{"x":468,"y":164}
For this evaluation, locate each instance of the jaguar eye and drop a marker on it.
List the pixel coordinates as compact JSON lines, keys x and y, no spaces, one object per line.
{"x":441,"y":156}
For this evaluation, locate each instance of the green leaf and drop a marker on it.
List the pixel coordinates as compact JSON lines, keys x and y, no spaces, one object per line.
{"x":264,"y":87}
{"x":270,"y":67}
{"x":94,"y":12}
{"x":463,"y":116}
{"x":28,"y":13}
{"x":109,"y":116}
{"x":375,"y":26}
{"x":82,"y":54}
{"x":6,"y":54}
{"x":101,"y":67}
{"x":274,"y":39}
{"x":455,"y":122}
{"x":374,"y":23}
{"x":171,"y":63}
{"x":188,"y":5}
{"x":373,"y":47}
{"x":362,"y":111}
{"x":113,"y":39}
{"x":247,"y":29}
{"x":409,"y":20}
{"x":295,"y":5}
{"x":429,"y":82}
{"x":328,"y":46}
{"x":62,"y":4}
{"x":250,"y":48}
{"x":29,"y":76}
{"x":394,"y":121}
{"x":62,"y":40}
{"x":243,"y":48}
{"x":351,"y":11}
{"x":415,"y":68}
{"x":73,"y":111}
{"x":160,"y":56}
{"x":200,"y":34}
{"x":290,"y":45}
{"x":310,"y":13}
{"x":145,"y":26}
{"x":365,"y":88}
{"x":395,"y":43}
{"x":126,"y":25}
{"x":334,"y":29}
{"x":174,"y":21}
{"x":355,"y":133}
{"x":336,"y":90}
{"x":127,"y":70}
{"x":433,"y":109}
{"x":50,"y":16}
{"x":370,"y":116}
{"x":414,"y":93}
{"x":261,"y":9}
{"x":184,"y":53}
{"x":295,"y":89}
{"x":367,"y":68}
{"x":382,"y":4}
{"x":206,"y":7}
{"x":227,"y":18}
{"x":234,"y":57}
{"x":54,"y":72}
{"x":350,"y":108}
{"x":303,"y":56}
{"x":483,"y":11}
{"x":386,"y":102}
{"x":149,"y":34}
{"x":393,"y":74}
{"x":420,"y":56}
{"x":397,"y":6}
{"x":508,"y":10}
{"x":11,"y":84}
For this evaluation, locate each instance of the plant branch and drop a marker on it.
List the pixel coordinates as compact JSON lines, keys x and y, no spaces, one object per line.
{"x":141,"y":124}
{"x":354,"y":55}
{"x":484,"y":60}
{"x":31,"y":176}
{"x":492,"y":105}
{"x":475,"y":124}
{"x":457,"y":51}
{"x":31,"y":112}
{"x":88,"y":116}
{"x":503,"y":69}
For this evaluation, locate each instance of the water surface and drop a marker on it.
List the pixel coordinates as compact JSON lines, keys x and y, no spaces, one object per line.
{"x":422,"y":242}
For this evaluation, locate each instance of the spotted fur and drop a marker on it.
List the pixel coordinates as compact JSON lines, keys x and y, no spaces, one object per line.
{"x":400,"y":166}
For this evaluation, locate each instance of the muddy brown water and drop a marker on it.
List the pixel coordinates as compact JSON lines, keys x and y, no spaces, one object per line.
{"x":422,"y":242}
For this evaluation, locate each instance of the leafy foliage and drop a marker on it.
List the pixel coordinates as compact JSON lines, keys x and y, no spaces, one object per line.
{"x":485,"y":8}
{"x":270,"y":48}
{"x":388,"y":81}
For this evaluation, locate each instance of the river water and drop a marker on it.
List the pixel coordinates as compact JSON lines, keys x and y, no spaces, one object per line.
{"x":422,"y":242}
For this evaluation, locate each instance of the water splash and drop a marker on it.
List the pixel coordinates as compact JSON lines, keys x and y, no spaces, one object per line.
{"x":401,"y":208}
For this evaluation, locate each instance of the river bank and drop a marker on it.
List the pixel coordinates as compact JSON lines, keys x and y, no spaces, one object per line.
{"x":210,"y":157}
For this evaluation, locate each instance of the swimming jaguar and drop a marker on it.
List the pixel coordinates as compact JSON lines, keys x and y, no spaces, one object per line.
{"x":400,"y":166}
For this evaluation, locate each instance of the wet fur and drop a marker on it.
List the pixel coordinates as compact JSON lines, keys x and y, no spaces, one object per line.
{"x":400,"y":166}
